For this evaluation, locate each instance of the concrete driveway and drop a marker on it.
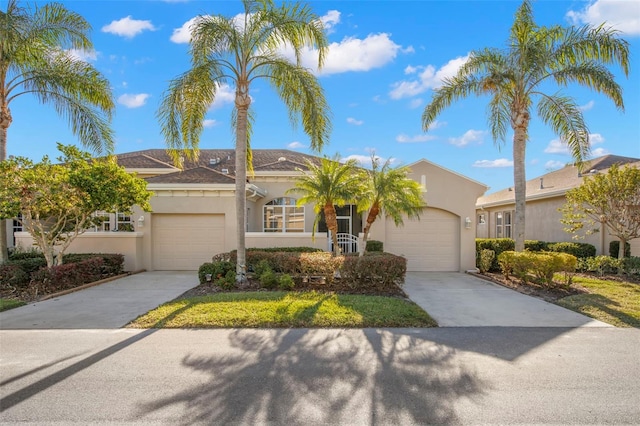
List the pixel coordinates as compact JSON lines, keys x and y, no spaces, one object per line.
{"x":109,"y":305}
{"x":461,"y":300}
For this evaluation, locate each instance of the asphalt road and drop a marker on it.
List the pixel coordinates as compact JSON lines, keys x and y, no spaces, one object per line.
{"x":489,"y":375}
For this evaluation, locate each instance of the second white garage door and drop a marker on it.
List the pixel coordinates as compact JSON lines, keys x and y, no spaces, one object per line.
{"x":429,"y":244}
{"x":183,"y":242}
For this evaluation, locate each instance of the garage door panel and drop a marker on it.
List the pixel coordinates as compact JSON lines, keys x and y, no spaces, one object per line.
{"x":183,"y":242}
{"x":429,"y":244}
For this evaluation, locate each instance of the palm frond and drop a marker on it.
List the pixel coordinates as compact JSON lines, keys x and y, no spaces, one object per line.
{"x":594,"y":76}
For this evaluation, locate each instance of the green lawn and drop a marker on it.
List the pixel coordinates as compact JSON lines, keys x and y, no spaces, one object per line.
{"x":6,"y":304}
{"x":285,"y":310}
{"x":613,"y":302}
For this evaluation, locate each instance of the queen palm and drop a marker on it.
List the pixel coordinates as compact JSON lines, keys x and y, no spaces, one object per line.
{"x":238,"y":51}
{"x":330,"y":184}
{"x":34,"y":60}
{"x":519,"y":79}
{"x":391,"y":193}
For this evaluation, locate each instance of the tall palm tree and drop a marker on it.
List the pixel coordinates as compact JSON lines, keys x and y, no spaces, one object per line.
{"x":238,"y":51}
{"x":391,"y":193}
{"x":34,"y":60}
{"x":330,"y":184}
{"x":535,"y":59}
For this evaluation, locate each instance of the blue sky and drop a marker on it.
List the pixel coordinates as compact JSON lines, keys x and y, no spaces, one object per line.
{"x":385,"y":59}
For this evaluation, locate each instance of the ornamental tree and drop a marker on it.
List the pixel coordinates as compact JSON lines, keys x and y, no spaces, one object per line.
{"x":611,"y":199}
{"x":56,"y":202}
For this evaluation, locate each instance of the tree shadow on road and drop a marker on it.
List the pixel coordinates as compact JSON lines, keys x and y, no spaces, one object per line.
{"x":324,"y":377}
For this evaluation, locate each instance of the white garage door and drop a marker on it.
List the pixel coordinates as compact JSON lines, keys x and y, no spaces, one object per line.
{"x":429,"y":244}
{"x":183,"y":242}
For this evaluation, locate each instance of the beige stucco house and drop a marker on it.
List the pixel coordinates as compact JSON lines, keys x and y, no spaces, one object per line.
{"x":193,"y":214}
{"x":545,"y":195}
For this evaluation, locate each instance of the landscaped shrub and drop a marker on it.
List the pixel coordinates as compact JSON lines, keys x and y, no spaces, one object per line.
{"x":542,"y":265}
{"x":227,"y":281}
{"x":579,"y":250}
{"x":535,"y":245}
{"x":614,"y":248}
{"x":485,"y":260}
{"x":66,"y":276}
{"x":286,"y":282}
{"x":215,"y":270}
{"x":29,"y":265}
{"x":12,"y":277}
{"x":269,"y":279}
{"x":378,"y":270}
{"x":601,"y":265}
{"x":375,"y":246}
{"x":497,"y":245}
{"x":113,"y":263}
{"x":19,"y":254}
{"x":631,"y":265}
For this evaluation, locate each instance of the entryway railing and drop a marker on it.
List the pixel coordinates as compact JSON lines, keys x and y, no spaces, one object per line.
{"x":346,"y":242}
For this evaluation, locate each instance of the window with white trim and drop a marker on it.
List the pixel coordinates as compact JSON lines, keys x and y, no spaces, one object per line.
{"x":504,"y":224}
{"x":118,"y":221}
{"x":282,"y":215}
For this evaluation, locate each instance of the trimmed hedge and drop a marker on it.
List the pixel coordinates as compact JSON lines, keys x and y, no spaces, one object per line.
{"x":66,"y":276}
{"x":381,"y":271}
{"x":579,"y":250}
{"x":542,"y":265}
{"x":375,"y":246}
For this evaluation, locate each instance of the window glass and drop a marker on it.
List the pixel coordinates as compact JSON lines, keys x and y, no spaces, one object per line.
{"x":282,"y":215}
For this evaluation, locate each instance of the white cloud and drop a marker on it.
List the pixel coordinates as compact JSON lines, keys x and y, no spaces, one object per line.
{"x":500,"y":162}
{"x":330,"y":20}
{"x":415,"y":103}
{"x":622,"y":15}
{"x":470,"y":136}
{"x":599,"y":152}
{"x":296,"y":145}
{"x":553,"y":165}
{"x":183,"y":34}
{"x":404,"y":138}
{"x":83,"y":55}
{"x":133,"y":101}
{"x":351,"y":54}
{"x":557,"y":146}
{"x":437,"y":124}
{"x":355,"y":122}
{"x":586,"y":107}
{"x":224,"y":95}
{"x":364,"y":160}
{"x":127,"y":27}
{"x":428,"y":78}
{"x":210,"y":122}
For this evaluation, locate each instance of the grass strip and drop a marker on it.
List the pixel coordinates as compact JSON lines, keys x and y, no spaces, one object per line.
{"x":6,"y":304}
{"x":285,"y":310}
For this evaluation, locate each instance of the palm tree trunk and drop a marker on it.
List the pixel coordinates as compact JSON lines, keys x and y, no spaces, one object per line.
{"x":5,"y":121}
{"x":371,"y":217}
{"x":242,"y":104}
{"x":520,"y":182}
{"x":332,"y":225}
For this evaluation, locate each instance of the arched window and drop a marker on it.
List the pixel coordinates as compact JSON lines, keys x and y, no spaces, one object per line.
{"x":282,"y":215}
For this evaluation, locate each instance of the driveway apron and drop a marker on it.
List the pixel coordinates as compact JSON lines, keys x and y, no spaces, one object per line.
{"x":462,"y":300}
{"x":109,"y":305}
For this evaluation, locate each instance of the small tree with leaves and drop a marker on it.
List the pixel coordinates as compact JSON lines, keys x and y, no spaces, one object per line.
{"x":612,"y":199}
{"x":56,"y":202}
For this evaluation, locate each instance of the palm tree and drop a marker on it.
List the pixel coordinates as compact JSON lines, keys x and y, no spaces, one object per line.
{"x":330,"y":184}
{"x":238,"y":51}
{"x":391,"y":193}
{"x":34,"y":60}
{"x":535,"y":59}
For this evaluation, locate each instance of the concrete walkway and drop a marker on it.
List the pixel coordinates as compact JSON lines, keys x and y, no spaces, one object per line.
{"x":461,"y":300}
{"x":109,"y":305}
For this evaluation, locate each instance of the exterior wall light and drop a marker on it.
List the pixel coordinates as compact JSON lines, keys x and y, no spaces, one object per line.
{"x":467,"y":222}
{"x":141,"y":222}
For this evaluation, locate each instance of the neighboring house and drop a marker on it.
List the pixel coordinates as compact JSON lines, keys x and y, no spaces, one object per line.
{"x":193,"y":214}
{"x":495,"y":212}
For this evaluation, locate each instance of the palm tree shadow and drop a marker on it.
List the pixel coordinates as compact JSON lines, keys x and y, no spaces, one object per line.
{"x":301,"y":376}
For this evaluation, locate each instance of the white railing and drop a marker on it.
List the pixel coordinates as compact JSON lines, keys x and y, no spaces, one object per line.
{"x":346,"y":242}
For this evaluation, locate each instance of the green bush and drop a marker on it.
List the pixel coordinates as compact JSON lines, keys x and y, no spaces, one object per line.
{"x":216,"y":270}
{"x":535,"y":245}
{"x":286,"y":282}
{"x":614,"y":248}
{"x":12,"y":277}
{"x":228,"y":281}
{"x":541,"y":265}
{"x":20,"y":254}
{"x":66,"y":276}
{"x":113,"y":263}
{"x":269,"y":279}
{"x":485,"y":260}
{"x":497,"y":245}
{"x":261,"y":266}
{"x":579,"y":250}
{"x":375,"y":246}
{"x":382,"y":271}
{"x":602,"y":265}
{"x":30,"y":264}
{"x":631,"y":265}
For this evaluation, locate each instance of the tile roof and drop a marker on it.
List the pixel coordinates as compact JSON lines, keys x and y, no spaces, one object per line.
{"x":142,"y":161}
{"x":558,"y":181}
{"x":194,"y":175}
